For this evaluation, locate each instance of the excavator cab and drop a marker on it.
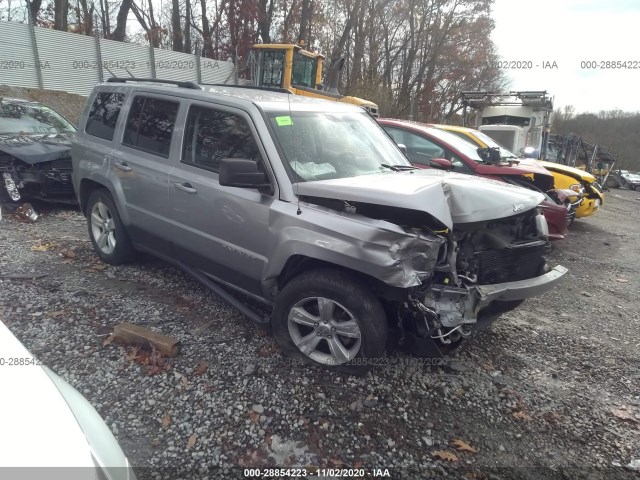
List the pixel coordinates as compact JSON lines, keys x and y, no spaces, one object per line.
{"x":299,"y":71}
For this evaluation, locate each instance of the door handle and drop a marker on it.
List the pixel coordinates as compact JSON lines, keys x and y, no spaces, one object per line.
{"x":185,"y":187}
{"x":122,"y":166}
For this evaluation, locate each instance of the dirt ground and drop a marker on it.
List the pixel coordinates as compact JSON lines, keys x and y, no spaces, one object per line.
{"x":550,"y":391}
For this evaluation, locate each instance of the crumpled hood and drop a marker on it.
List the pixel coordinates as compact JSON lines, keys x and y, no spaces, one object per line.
{"x":450,"y":197}
{"x":37,"y":148}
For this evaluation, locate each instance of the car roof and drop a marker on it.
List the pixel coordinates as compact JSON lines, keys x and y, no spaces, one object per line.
{"x":266,"y":99}
{"x":20,"y":101}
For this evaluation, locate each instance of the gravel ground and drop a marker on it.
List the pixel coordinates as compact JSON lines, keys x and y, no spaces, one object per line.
{"x":552,"y":390}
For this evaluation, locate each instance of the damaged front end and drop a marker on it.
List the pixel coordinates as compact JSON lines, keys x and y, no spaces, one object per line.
{"x":35,"y":153}
{"x":26,"y":177}
{"x":489,"y":268}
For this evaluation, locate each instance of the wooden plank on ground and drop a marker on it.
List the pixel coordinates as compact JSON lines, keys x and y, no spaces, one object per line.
{"x":137,"y":335}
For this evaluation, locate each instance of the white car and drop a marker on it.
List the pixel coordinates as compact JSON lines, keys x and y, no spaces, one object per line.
{"x":45,"y":422}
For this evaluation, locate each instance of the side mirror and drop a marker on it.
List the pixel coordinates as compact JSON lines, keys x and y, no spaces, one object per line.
{"x":403,"y":148}
{"x":490,"y":155}
{"x":441,"y":163}
{"x":243,"y":173}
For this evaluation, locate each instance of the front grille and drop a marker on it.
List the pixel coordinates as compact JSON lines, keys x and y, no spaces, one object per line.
{"x":510,"y":265}
{"x":503,"y":137}
{"x":62,"y":164}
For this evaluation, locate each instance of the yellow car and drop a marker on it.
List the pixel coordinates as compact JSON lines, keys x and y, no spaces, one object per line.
{"x":564,"y":176}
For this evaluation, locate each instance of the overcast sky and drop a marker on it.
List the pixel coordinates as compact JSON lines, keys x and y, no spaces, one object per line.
{"x":570,"y":32}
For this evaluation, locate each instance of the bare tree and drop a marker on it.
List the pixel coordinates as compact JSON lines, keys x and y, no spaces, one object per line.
{"x":61,"y":14}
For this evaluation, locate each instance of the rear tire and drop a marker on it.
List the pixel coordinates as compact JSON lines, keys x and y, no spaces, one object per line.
{"x":108,"y":235}
{"x":330,"y":318}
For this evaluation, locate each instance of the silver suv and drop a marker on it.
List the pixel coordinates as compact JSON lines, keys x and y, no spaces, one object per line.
{"x":309,"y":207}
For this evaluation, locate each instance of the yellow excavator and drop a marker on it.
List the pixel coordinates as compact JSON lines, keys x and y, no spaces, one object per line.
{"x":299,"y":71}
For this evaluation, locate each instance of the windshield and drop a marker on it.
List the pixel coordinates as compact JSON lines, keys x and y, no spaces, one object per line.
{"x":465,"y":147}
{"x":487,"y":140}
{"x":490,"y":142}
{"x":26,"y":118}
{"x":322,"y":145}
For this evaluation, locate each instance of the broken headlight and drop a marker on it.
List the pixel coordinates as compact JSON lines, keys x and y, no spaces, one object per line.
{"x":542,"y":226}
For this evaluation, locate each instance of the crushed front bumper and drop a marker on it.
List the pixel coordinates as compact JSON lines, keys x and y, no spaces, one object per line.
{"x":520,"y":289}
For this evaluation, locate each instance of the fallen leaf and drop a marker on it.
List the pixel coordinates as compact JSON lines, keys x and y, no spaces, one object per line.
{"x":255,"y":417}
{"x":97,"y":267}
{"x":521,"y":415}
{"x":68,"y":254}
{"x":201,"y":368}
{"x":108,"y":340}
{"x":356,"y":406}
{"x":357,"y":464}
{"x":166,"y":421}
{"x":336,"y":462}
{"x":622,"y":280}
{"x":266,"y":351}
{"x":463,"y":446}
{"x":56,"y":314}
{"x":192,"y":441}
{"x":184,"y":381}
{"x":132,"y":353}
{"x":551,"y":417}
{"x":623,"y":413}
{"x":445,"y":455}
{"x":41,"y":248}
{"x":458,"y":393}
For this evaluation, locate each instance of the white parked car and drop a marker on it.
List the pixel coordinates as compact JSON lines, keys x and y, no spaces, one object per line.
{"x":47,"y":423}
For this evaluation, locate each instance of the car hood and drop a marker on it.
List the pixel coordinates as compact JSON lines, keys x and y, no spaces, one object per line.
{"x":564,"y":169}
{"x":450,"y":197}
{"x":518,"y":167}
{"x":38,"y":428}
{"x":36,"y":148}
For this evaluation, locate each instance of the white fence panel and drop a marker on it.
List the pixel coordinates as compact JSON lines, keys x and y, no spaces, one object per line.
{"x":216,"y":71}
{"x":17,"y":62}
{"x":175,"y":65}
{"x":119,"y":57}
{"x":69,"y":61}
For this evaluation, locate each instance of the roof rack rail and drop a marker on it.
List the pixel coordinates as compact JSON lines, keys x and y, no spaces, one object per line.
{"x":191,"y":85}
{"x":252,"y":87}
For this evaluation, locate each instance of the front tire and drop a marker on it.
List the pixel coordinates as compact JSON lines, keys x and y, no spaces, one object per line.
{"x":108,"y":235}
{"x":330,"y":318}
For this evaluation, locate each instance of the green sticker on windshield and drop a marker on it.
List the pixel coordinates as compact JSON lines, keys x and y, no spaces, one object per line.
{"x":284,"y":121}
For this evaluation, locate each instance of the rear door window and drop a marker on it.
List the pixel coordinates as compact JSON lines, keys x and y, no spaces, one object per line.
{"x":150,"y":125}
{"x":103,"y":115}
{"x":211,"y":135}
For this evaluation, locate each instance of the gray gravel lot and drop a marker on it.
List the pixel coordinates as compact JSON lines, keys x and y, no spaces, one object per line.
{"x":552,"y":390}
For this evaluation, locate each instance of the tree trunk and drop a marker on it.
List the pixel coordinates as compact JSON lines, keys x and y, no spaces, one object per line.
{"x":187,"y":28}
{"x":61,"y":15}
{"x":34,"y":10}
{"x":265,"y":17}
{"x":305,"y":18}
{"x":176,"y":27}
{"x":121,"y":21}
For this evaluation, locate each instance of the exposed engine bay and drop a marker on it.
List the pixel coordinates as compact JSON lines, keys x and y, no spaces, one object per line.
{"x":447,"y":305}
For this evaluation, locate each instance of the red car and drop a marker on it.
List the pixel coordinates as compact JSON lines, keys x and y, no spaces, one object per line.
{"x":429,"y":147}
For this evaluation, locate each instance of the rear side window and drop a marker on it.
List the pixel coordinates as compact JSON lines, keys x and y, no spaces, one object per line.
{"x":150,"y":125}
{"x":103,"y":115}
{"x":212,"y":135}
